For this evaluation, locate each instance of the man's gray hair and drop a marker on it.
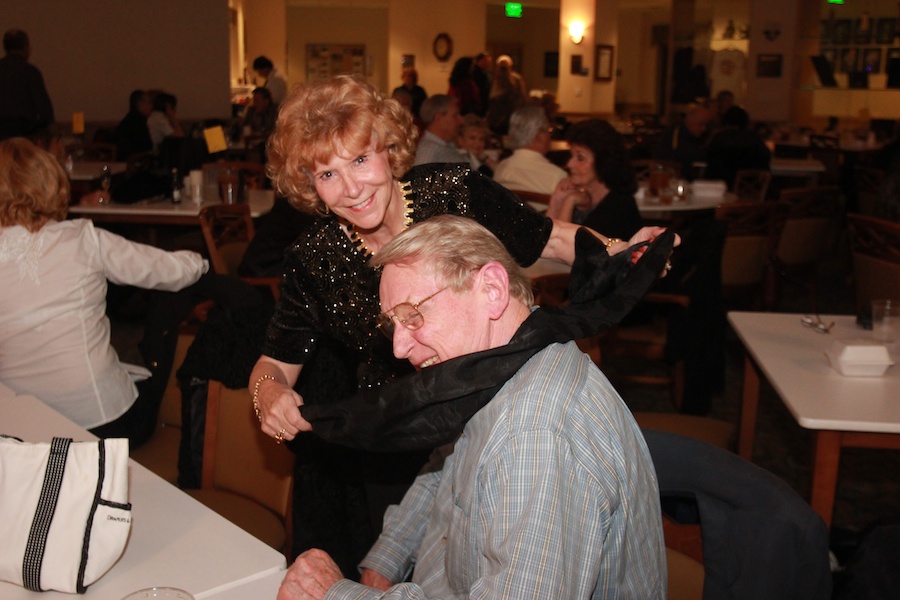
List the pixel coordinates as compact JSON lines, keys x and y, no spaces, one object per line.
{"x":435,"y":105}
{"x":524,"y":125}
{"x":453,"y":247}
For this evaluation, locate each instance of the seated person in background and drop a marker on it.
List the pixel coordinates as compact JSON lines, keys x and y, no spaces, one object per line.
{"x":163,"y":121}
{"x":402,"y":95}
{"x":733,"y":147}
{"x":685,"y":142}
{"x":550,"y":491}
{"x":440,"y":113}
{"x":601,"y":184}
{"x":471,"y":141}
{"x":528,"y":168}
{"x":55,"y":343}
{"x":411,"y":84}
{"x":132,"y":133}
{"x":261,"y":114}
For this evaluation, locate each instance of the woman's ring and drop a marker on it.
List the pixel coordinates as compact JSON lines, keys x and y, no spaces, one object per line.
{"x":668,"y":266}
{"x":279,"y":437}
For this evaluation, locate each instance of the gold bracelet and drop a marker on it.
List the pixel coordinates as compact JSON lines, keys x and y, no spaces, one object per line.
{"x":610,"y":242}
{"x":256,"y":394}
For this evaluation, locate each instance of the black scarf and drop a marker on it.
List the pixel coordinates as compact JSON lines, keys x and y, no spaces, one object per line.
{"x":430,"y":407}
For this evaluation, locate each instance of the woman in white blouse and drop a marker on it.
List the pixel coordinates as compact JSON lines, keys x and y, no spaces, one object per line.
{"x":54,"y":333}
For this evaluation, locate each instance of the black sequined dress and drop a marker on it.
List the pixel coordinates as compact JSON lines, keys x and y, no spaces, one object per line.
{"x":325,"y":320}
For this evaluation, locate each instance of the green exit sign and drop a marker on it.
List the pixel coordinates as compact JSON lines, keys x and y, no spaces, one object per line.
{"x":514,"y":10}
{"x":835,"y":1}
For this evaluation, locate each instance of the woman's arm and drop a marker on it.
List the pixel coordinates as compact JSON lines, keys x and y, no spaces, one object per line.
{"x":272,"y":388}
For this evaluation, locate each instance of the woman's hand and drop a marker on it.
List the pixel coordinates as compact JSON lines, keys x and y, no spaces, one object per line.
{"x":564,"y":199}
{"x":274,"y":399}
{"x":645,"y":234}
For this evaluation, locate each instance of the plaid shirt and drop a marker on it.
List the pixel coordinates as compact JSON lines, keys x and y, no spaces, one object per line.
{"x":550,"y":493}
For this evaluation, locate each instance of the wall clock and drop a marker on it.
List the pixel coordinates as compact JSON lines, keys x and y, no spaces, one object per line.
{"x":442,"y":47}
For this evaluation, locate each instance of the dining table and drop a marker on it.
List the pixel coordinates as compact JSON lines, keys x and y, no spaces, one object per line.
{"x":162,"y":211}
{"x":808,"y":168}
{"x":842,"y":411}
{"x":175,"y":540}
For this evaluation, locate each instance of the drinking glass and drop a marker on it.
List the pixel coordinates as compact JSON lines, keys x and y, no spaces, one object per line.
{"x":885,"y":320}
{"x":168,"y":593}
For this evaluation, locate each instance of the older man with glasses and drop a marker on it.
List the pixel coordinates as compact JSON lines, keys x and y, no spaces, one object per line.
{"x":550,"y":491}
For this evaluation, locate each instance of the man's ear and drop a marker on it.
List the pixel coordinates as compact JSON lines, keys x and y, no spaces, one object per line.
{"x":495,"y":284}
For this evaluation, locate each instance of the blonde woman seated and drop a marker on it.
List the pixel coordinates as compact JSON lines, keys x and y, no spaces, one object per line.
{"x":599,"y":191}
{"x":56,"y":336}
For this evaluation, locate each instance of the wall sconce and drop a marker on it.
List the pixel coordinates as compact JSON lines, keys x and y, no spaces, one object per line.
{"x":576,"y":31}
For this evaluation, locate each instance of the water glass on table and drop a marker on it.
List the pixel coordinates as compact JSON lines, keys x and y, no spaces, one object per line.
{"x":885,"y":320}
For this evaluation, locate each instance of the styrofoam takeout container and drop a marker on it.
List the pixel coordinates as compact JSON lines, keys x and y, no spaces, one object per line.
{"x":859,"y":358}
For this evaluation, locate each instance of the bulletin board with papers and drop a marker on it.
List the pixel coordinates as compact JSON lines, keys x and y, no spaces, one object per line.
{"x":324,"y":61}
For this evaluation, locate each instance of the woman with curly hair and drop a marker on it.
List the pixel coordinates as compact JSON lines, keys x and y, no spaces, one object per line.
{"x":342,"y":151}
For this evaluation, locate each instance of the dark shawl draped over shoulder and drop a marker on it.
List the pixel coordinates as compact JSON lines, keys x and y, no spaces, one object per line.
{"x":430,"y":408}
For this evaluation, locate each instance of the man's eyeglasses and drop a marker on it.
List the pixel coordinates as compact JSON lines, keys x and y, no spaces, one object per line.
{"x":815,"y":323}
{"x":407,"y":314}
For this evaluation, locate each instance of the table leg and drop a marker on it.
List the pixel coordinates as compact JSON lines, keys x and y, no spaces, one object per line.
{"x":749,"y":408}
{"x":825,"y":472}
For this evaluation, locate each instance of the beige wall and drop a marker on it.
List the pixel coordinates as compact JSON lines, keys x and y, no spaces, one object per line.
{"x":266,"y":35}
{"x":366,"y":25}
{"x":413,"y":26}
{"x":94,"y":52}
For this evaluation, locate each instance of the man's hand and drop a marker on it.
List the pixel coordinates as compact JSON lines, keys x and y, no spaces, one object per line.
{"x":375,"y":579}
{"x":310,"y":577}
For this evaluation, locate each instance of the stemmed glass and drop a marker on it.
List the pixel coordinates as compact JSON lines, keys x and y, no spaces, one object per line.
{"x":105,"y":182}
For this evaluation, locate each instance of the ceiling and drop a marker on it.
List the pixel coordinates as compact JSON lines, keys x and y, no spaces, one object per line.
{"x":626,"y":4}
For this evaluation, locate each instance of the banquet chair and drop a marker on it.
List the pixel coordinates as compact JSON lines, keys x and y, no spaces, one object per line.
{"x":751,"y":185}
{"x":251,"y":175}
{"x":99,"y":151}
{"x":758,"y":538}
{"x":553,"y":290}
{"x":246,"y":477}
{"x":160,"y":453}
{"x":875,"y":247}
{"x":752,"y":233}
{"x":867,"y":183}
{"x":227,"y":231}
{"x":810,"y":227}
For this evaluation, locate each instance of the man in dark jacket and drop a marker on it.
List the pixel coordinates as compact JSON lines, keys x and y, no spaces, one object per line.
{"x":25,"y":106}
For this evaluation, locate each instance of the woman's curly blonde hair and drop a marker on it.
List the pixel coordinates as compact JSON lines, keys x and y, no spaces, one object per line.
{"x":318,"y":116}
{"x":34,"y":188}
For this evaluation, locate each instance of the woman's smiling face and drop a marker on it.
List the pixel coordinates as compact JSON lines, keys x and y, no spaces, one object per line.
{"x":358,"y":187}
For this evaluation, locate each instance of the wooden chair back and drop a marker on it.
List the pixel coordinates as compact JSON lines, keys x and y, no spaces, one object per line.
{"x":251,"y":175}
{"x":227,"y":231}
{"x":867,"y":181}
{"x":751,"y":185}
{"x":753,"y":231}
{"x":246,"y":476}
{"x":811,"y":220}
{"x":532,"y":197}
{"x":875,"y":245}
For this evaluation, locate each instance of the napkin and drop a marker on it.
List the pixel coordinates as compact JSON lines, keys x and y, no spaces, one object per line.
{"x":708,"y":187}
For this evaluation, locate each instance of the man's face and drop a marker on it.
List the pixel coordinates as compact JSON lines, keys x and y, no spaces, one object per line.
{"x":485,"y":63}
{"x":697,"y":122}
{"x":454,"y":323}
{"x":145,"y":106}
{"x":446,"y":124}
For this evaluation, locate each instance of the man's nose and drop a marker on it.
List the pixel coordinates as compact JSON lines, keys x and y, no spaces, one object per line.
{"x":403,"y":341}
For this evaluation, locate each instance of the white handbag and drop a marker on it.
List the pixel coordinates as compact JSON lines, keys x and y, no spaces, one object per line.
{"x":64,"y":511}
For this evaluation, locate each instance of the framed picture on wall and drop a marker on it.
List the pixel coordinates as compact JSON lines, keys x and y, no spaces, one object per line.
{"x":769,"y":65}
{"x":551,"y":64}
{"x":886,"y":31}
{"x":848,"y":59}
{"x":603,"y":63}
{"x":830,"y":55}
{"x":871,"y":62}
{"x":862,"y":31}
{"x":841,"y":31}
